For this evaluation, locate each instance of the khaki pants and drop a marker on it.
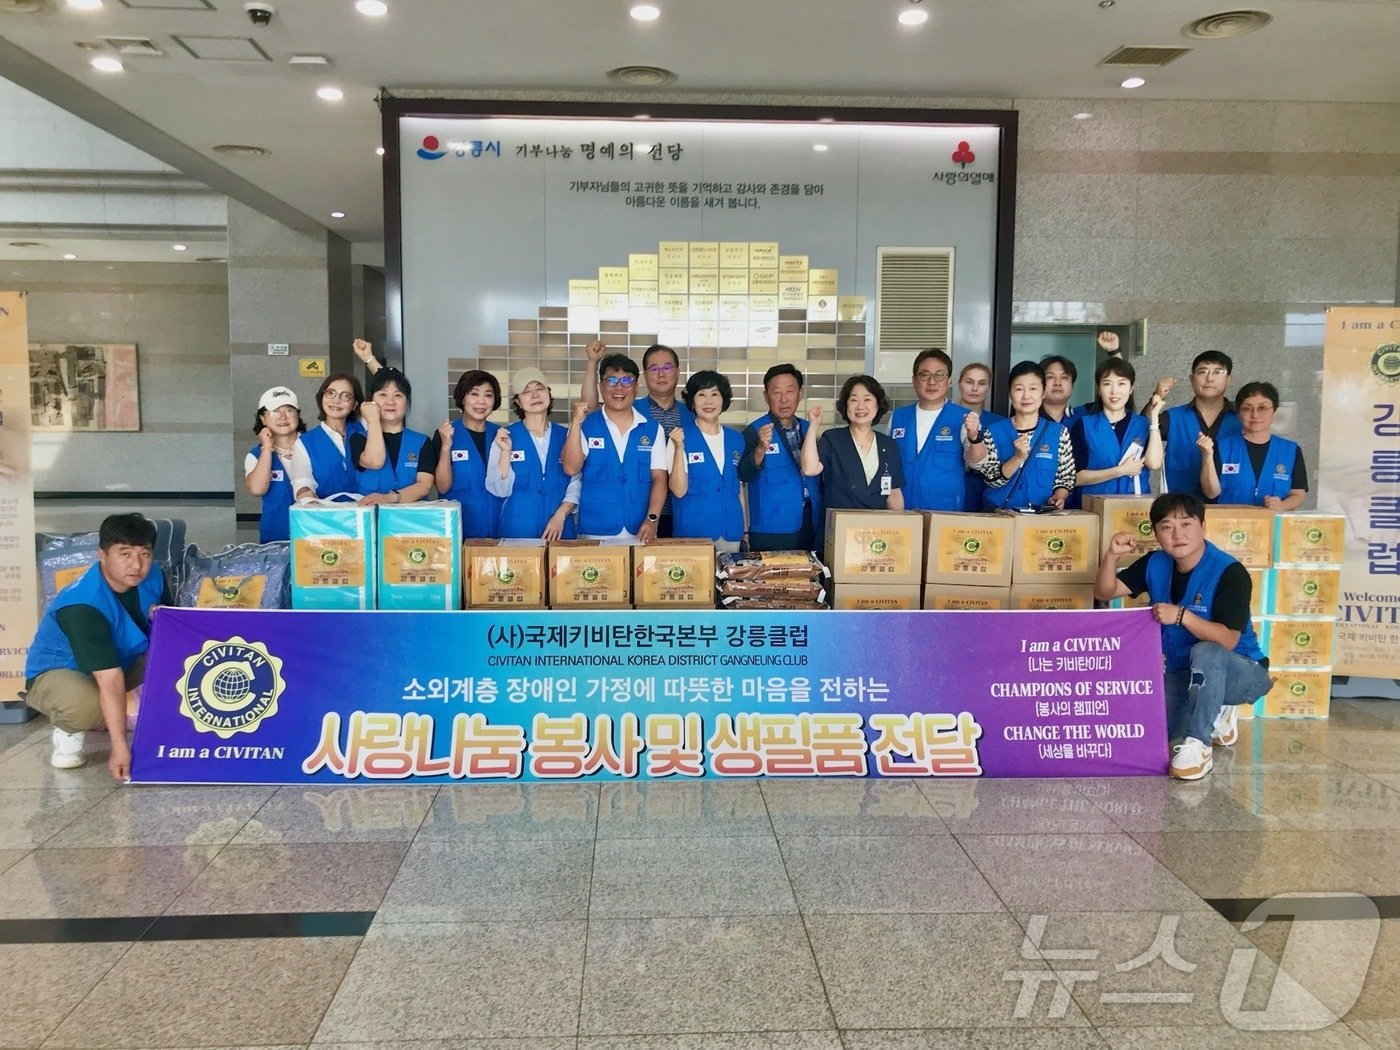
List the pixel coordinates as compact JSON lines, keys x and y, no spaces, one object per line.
{"x":71,"y":700}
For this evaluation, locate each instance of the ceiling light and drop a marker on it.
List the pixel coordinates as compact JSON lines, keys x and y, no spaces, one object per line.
{"x":1082,"y":115}
{"x":69,"y":255}
{"x":913,"y":16}
{"x":330,"y":94}
{"x":179,"y":247}
{"x":372,"y":8}
{"x":379,"y":151}
{"x":337,"y":215}
{"x":642,"y":76}
{"x":85,"y":5}
{"x":107,"y":64}
{"x":1106,"y":3}
{"x":821,"y":147}
{"x":646,"y":12}
{"x":1133,"y":82}
{"x":239,"y":149}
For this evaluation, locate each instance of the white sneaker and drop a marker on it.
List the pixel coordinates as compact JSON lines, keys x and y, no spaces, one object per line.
{"x":1192,"y":760}
{"x":67,"y":750}
{"x":1227,"y":727}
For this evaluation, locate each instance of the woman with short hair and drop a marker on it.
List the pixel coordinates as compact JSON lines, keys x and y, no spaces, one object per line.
{"x":860,"y":468}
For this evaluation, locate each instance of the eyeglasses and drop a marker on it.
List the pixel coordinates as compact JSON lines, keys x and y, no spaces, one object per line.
{"x":344,"y":395}
{"x":930,"y":377}
{"x":1210,"y":373}
{"x":620,"y":380}
{"x":661,"y":370}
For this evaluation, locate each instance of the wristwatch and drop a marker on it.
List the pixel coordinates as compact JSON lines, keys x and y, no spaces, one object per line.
{"x":981,"y":437}
{"x":653,"y":517}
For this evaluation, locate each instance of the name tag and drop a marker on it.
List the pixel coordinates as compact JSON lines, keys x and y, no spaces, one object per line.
{"x":897,"y":432}
{"x":596,"y":443}
{"x":517,"y":455}
{"x":1229,"y":468}
{"x":695,"y":457}
{"x":772,"y":448}
{"x":460,"y":455}
{"x":886,"y":486}
{"x":278,"y":475}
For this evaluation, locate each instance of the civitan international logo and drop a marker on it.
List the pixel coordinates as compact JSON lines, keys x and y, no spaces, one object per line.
{"x":230,"y":686}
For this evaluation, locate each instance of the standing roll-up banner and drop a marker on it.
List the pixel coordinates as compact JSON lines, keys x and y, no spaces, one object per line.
{"x":18,"y":587}
{"x":1359,"y":476}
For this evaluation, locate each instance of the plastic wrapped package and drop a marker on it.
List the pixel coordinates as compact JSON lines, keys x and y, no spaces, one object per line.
{"x":244,"y":576}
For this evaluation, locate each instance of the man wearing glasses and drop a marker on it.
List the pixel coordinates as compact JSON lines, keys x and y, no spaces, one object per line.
{"x":662,"y":368}
{"x":1208,"y":413}
{"x":937,"y":439}
{"x":622,"y":458}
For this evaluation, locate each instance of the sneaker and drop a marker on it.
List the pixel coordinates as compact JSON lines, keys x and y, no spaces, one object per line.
{"x":1227,"y":727}
{"x":67,"y":750}
{"x":1192,"y":760}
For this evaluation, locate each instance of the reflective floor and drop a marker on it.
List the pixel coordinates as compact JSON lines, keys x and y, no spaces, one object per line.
{"x":792,"y":914}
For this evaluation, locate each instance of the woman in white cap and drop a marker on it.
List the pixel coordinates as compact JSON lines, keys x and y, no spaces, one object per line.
{"x":524,"y":468}
{"x":277,"y":468}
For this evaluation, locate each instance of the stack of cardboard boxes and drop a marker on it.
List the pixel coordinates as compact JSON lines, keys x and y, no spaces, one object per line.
{"x":875,"y":558}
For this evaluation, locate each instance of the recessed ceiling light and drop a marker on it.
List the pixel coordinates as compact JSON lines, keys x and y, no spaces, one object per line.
{"x":240,"y":149}
{"x":373,"y":8}
{"x":337,"y":215}
{"x":69,"y":255}
{"x":1082,"y":115}
{"x":1106,"y":3}
{"x":107,"y":64}
{"x":330,"y":94}
{"x":646,"y":12}
{"x":913,"y":16}
{"x":179,"y":247}
{"x":379,"y":151}
{"x":1133,"y":82}
{"x":821,"y":147}
{"x":85,"y":5}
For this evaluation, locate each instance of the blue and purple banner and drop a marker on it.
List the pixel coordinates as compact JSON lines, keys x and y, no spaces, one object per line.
{"x":237,"y":696}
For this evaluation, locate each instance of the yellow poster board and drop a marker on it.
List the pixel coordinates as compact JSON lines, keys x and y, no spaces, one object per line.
{"x":18,"y":583}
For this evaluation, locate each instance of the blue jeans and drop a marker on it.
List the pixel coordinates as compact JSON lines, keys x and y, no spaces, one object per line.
{"x":1215,"y":678}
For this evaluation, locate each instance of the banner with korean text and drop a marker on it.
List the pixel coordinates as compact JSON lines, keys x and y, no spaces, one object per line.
{"x":18,"y":574}
{"x":286,"y":697}
{"x":1359,"y":476}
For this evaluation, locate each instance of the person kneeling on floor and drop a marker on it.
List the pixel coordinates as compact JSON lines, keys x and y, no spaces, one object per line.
{"x":90,"y":649}
{"x":1200,"y":595}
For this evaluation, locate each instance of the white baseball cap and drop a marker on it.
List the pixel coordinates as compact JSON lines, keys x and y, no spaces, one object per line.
{"x":277,"y":397}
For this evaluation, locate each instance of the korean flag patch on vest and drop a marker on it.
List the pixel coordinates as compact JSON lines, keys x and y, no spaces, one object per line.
{"x":278,"y":475}
{"x":460,"y":455}
{"x":517,"y":455}
{"x":773,"y":448}
{"x":596,"y":443}
{"x":1229,"y":468}
{"x":695,"y":457}
{"x":897,"y":433}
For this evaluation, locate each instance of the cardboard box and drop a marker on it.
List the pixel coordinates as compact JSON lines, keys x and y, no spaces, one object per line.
{"x":1309,"y":539}
{"x":876,"y":597}
{"x":1244,"y":533}
{"x":1049,"y":596}
{"x":1261,"y":591}
{"x":1304,"y":590}
{"x":589,"y":575}
{"x":972,"y":550}
{"x":1299,"y":694}
{"x":503,"y":574}
{"x":952,"y":596}
{"x":420,"y":556}
{"x":1124,"y":514}
{"x":1055,"y":548}
{"x":671,"y":574}
{"x":875,"y":546}
{"x":1296,"y":642}
{"x":333,"y":556}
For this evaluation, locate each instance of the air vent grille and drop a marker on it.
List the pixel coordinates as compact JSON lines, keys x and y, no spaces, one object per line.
{"x":1145,"y":55}
{"x":913,"y":307}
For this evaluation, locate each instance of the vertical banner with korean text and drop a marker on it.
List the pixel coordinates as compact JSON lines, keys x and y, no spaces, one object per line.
{"x":1359,"y":476}
{"x":18,"y":595}
{"x":279,"y":697}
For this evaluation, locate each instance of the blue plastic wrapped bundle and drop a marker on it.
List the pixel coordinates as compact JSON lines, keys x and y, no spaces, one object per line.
{"x":244,"y":576}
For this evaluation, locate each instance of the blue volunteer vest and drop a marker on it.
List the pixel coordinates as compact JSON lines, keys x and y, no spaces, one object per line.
{"x":1237,"y":481}
{"x":538,"y":488}
{"x":710,"y":508}
{"x":481,"y":511}
{"x":332,"y":467}
{"x":1034,"y":483}
{"x":51,"y":650}
{"x":933,"y":475}
{"x":775,"y":496}
{"x":1181,"y":463}
{"x":615,"y":493}
{"x":274,"y":523}
{"x":393,"y":476}
{"x":1200,"y":594}
{"x":1105,"y":451}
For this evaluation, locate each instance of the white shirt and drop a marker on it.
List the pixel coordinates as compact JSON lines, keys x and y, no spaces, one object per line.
{"x":716,"y":443}
{"x":296,"y":465}
{"x":504,"y":486}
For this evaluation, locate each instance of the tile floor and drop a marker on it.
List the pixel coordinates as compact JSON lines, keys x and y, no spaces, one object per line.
{"x":775,"y":914}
